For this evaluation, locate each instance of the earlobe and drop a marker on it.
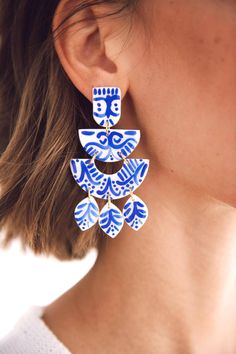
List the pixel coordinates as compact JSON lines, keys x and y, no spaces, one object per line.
{"x":87,"y":48}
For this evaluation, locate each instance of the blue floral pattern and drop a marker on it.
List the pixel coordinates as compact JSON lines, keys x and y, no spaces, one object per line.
{"x":135,"y":212}
{"x":86,"y":213}
{"x":111,"y":220}
{"x":117,"y":185}
{"x":119,"y":143}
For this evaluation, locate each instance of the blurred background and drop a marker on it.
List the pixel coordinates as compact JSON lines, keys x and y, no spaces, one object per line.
{"x":27,"y":280}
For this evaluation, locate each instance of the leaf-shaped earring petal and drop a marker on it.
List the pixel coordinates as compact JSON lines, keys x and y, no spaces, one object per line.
{"x":135,"y":212}
{"x":111,"y":220}
{"x":86,"y":213}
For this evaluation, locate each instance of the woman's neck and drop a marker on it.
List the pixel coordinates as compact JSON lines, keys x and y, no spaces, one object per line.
{"x":168,"y":288}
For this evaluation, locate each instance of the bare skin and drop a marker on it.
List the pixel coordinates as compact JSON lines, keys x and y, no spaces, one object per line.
{"x":170,"y":288}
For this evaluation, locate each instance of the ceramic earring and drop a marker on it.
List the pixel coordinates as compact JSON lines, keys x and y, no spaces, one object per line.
{"x":109,"y":145}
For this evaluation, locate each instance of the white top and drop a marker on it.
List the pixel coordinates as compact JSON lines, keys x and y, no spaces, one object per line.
{"x":31,"y":335}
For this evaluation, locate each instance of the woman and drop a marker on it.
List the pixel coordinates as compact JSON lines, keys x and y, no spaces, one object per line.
{"x":170,"y":287}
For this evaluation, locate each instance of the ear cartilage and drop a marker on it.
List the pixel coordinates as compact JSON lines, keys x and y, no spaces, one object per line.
{"x":109,"y":145}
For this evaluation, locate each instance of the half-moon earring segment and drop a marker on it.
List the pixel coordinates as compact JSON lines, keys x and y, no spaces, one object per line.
{"x":109,"y":145}
{"x":119,"y":143}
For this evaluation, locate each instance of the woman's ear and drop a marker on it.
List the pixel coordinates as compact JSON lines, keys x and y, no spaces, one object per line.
{"x":89,"y":46}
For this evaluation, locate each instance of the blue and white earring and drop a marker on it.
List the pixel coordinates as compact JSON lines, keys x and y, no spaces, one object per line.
{"x":109,"y":145}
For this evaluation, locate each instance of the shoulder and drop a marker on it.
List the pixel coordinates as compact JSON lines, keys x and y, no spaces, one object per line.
{"x":30,"y":335}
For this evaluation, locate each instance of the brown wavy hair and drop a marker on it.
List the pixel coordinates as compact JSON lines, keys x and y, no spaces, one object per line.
{"x":40,"y":113}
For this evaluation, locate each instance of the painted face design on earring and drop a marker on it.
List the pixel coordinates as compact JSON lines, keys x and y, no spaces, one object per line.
{"x":106,"y":105}
{"x":109,"y":145}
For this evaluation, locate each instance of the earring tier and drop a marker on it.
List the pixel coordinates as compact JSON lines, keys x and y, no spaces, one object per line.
{"x":109,"y":145}
{"x":106,"y":105}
